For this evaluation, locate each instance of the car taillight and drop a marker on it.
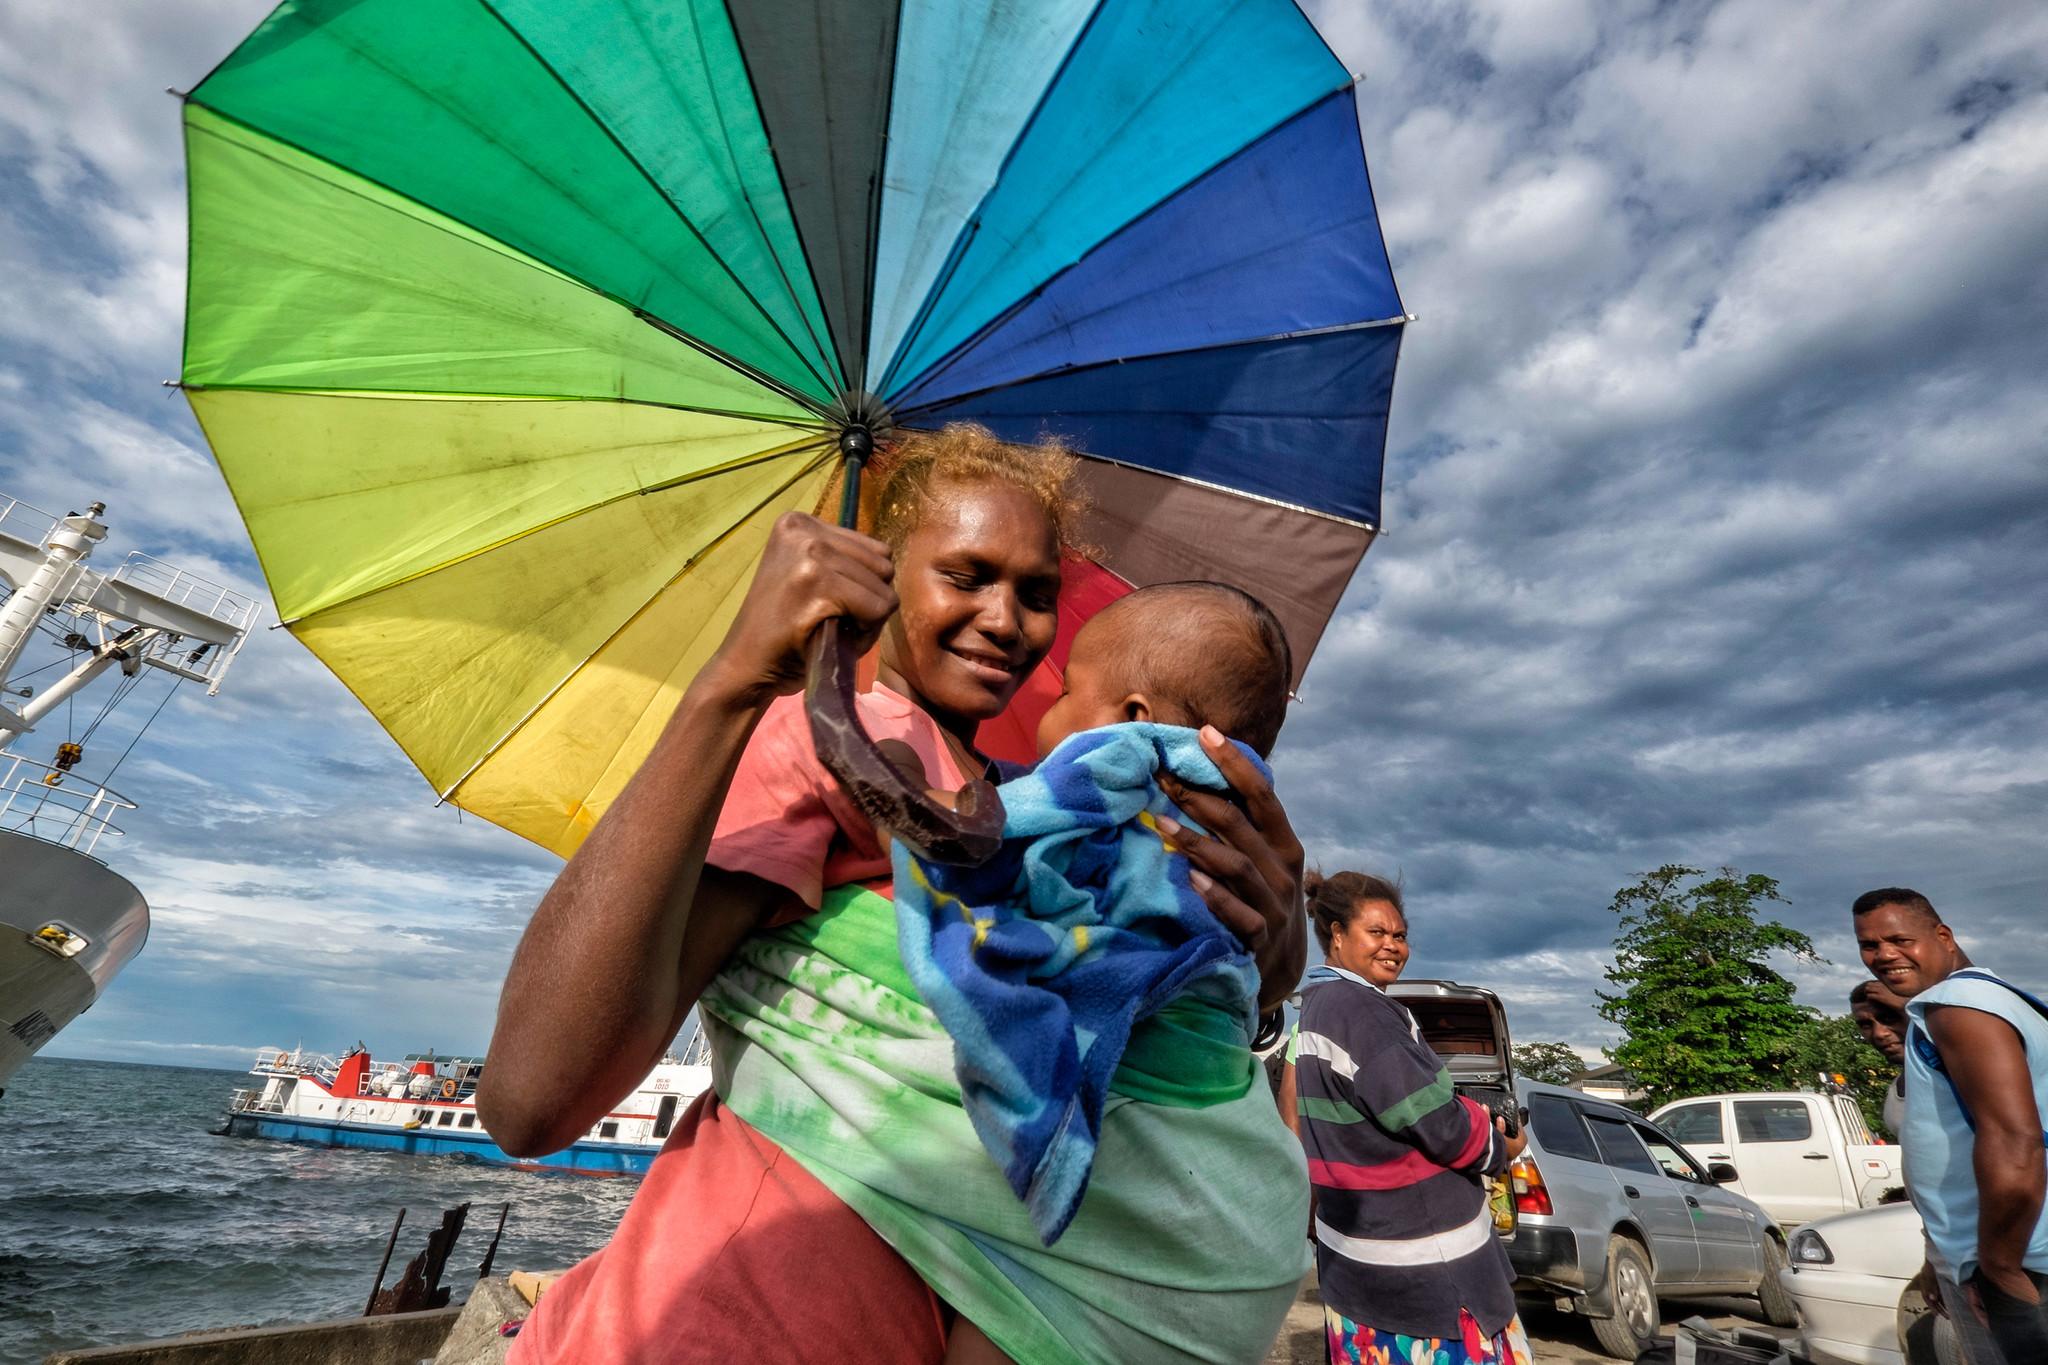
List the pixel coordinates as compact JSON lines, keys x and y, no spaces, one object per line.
{"x":1527,"y":1183}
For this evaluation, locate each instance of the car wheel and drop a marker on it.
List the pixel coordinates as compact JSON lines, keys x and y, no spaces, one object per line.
{"x":1779,"y":1308}
{"x":1633,"y":1328}
{"x":1948,"y":1350}
{"x":1931,"y":1340}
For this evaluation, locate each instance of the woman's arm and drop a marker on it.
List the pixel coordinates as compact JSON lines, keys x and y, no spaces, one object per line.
{"x":1397,"y":1082}
{"x":636,"y":925}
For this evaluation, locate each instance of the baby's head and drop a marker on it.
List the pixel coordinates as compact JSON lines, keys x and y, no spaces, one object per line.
{"x":1179,"y":654}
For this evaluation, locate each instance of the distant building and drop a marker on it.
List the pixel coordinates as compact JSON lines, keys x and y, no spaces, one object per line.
{"x":1613,"y":1082}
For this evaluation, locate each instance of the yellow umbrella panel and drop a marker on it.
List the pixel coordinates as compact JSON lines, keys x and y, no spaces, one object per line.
{"x":527,"y":672}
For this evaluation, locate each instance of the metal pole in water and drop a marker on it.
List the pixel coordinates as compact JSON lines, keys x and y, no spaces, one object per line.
{"x":384,"y":1264}
{"x":483,"y":1272}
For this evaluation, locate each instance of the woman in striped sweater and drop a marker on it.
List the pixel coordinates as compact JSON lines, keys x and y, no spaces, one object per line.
{"x":1412,"y":1272}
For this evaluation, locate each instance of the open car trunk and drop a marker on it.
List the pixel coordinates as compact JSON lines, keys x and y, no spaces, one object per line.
{"x":1468,"y":1027}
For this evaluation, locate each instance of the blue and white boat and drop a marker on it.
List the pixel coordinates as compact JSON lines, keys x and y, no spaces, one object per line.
{"x":426,"y":1105}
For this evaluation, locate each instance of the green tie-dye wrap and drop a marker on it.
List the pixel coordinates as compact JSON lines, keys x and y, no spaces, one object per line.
{"x":1190,"y":1243}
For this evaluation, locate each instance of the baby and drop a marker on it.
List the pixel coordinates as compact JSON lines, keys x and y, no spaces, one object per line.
{"x":1040,"y":963}
{"x":1189,"y":654}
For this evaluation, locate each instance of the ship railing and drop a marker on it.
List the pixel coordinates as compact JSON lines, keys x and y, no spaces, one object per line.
{"x":236,"y":610}
{"x":252,"y":1102}
{"x":187,"y":589}
{"x":57,"y":807}
{"x":278,"y":1062}
{"x":24,"y":522}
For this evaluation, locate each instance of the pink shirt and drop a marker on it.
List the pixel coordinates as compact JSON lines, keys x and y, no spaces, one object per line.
{"x":731,"y":1251}
{"x":786,"y":819}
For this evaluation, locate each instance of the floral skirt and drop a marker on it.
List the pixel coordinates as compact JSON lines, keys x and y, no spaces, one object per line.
{"x":1354,"y":1343}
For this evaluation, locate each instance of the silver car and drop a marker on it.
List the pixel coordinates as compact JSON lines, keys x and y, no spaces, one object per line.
{"x":1613,"y":1214}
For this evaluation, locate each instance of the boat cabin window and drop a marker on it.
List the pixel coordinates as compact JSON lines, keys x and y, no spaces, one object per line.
{"x":468,"y":1121}
{"x":447,"y":1117}
{"x":607,"y":1129}
{"x":665,"y":1116}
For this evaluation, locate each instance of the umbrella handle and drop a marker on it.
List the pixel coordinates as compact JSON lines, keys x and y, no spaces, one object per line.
{"x":971,"y":832}
{"x":967,"y":835}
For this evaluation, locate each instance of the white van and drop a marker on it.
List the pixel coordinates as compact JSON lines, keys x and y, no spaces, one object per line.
{"x":1799,"y":1154}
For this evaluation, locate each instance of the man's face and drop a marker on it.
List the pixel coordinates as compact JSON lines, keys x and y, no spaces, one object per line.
{"x":1905,"y":949}
{"x":1883,"y":1030}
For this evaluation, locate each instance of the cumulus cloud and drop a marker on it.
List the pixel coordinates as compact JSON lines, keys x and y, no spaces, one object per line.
{"x":1717,"y":484}
{"x":1717,"y":509}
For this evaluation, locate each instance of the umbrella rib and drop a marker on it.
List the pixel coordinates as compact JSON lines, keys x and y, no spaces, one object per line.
{"x":669,"y":329}
{"x":877,"y":176}
{"x":981,"y":333}
{"x":732,"y":157}
{"x":965,"y":237}
{"x":1129,"y":119}
{"x":1267,"y":499}
{"x":491,"y":9}
{"x":484,"y":239}
{"x":796,"y":222}
{"x":452,"y":395}
{"x":1071,"y":321}
{"x":764,"y":457}
{"x":1062,"y":371}
{"x":825,"y":454}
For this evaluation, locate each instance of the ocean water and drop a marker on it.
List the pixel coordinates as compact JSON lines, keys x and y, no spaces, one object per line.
{"x":123,"y":1218}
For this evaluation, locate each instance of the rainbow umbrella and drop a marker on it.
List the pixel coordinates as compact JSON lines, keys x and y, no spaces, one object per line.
{"x":514,"y":324}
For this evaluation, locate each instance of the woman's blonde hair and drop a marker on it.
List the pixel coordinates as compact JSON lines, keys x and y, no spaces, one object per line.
{"x":918,"y":464}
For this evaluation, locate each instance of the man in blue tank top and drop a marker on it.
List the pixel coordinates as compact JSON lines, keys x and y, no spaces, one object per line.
{"x":1975,"y":1139}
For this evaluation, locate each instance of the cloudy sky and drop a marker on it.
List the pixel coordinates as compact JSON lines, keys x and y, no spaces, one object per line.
{"x":1717,"y":505}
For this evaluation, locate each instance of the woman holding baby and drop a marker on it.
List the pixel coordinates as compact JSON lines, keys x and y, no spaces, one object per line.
{"x":814,"y":1206}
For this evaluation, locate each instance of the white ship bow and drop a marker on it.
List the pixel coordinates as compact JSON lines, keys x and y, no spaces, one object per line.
{"x":68,"y":922}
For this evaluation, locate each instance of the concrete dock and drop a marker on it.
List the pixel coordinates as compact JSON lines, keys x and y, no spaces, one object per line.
{"x":469,"y":1335}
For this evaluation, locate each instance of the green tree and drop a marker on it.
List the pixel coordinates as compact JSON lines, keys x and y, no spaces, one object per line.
{"x":1700,"y":1007}
{"x":1830,"y":1045}
{"x":1551,"y":1063}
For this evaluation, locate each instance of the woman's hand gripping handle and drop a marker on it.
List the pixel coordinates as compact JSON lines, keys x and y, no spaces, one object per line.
{"x":811,"y":572}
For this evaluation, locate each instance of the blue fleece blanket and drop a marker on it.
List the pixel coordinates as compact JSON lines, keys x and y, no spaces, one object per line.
{"x":1040,"y":961}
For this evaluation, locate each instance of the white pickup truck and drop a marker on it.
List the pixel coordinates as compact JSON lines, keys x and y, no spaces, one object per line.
{"x":1799,"y":1154}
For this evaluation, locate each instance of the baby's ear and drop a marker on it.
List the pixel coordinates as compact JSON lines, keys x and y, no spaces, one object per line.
{"x":1136,"y":707}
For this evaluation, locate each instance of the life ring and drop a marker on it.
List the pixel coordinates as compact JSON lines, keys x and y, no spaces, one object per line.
{"x":448,"y":1088}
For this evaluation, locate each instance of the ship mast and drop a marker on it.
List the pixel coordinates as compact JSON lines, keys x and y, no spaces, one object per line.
{"x":145,"y":614}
